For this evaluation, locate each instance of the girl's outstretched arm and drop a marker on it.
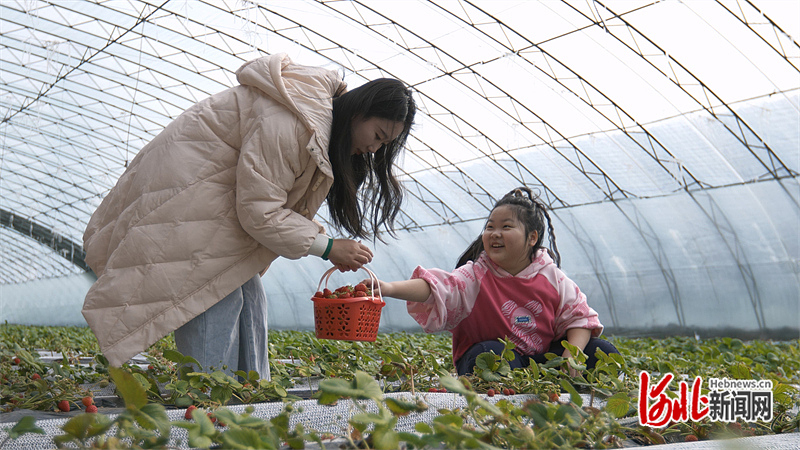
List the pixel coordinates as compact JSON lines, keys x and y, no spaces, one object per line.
{"x":416,"y":290}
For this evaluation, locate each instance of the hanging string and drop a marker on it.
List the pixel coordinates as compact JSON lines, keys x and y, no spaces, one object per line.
{"x":135,"y":90}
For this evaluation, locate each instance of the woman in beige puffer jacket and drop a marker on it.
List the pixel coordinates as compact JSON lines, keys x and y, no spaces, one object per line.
{"x":227,"y":187}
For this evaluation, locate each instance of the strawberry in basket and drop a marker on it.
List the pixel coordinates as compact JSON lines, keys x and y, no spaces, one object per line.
{"x":347,"y":291}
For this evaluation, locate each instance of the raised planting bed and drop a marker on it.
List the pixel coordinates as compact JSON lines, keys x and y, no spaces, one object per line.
{"x":397,"y":391}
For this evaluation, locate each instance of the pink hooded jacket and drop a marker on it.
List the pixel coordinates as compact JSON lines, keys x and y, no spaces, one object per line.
{"x":482,"y":302}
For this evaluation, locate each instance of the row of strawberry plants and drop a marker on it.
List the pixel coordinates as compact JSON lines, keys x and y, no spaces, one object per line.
{"x":413,"y":362}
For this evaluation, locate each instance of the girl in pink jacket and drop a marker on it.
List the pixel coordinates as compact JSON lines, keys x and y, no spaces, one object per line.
{"x":506,"y":285}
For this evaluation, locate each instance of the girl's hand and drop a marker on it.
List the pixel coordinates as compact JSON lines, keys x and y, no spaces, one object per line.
{"x":572,"y":372}
{"x":416,"y":290}
{"x":349,"y":255}
{"x":385,"y":286}
{"x":578,"y":337}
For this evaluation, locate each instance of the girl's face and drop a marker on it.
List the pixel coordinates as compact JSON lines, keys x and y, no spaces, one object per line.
{"x":370,"y":134}
{"x":506,"y":242}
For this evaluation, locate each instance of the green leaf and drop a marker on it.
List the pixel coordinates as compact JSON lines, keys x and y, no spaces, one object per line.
{"x":78,"y":426}
{"x":383,"y":420}
{"x":534,"y":370}
{"x":576,"y":353}
{"x":422,"y":427}
{"x":221,"y":394}
{"x":131,"y":391}
{"x":173,"y":355}
{"x":449,"y":420}
{"x":538,"y":412}
{"x":363,"y":386}
{"x":154,"y":416}
{"x":142,"y":380}
{"x":197,"y":380}
{"x":183,"y":401}
{"x":618,"y":405}
{"x":504,"y":368}
{"x":740,"y":371}
{"x":490,"y":376}
{"x":25,"y":425}
{"x":576,"y":365}
{"x":411,"y":438}
{"x":401,"y":407}
{"x":573,"y":394}
{"x":244,"y":438}
{"x":665,"y":367}
{"x":385,"y":439}
{"x":454,"y":385}
{"x":201,"y":434}
{"x":281,"y":391}
{"x":485,"y":361}
{"x":555,"y":362}
{"x":223,"y":378}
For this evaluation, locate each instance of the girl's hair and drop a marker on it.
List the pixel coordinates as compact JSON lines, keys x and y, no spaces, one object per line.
{"x":380,"y":201}
{"x":529,"y":210}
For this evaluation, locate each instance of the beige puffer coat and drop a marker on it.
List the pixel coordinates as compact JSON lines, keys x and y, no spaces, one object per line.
{"x":222,"y":191}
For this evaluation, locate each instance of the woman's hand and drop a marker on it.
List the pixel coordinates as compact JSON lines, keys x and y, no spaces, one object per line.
{"x":349,"y":255}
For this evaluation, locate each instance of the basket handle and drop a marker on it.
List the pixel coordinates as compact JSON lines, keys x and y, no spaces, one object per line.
{"x":372,"y":278}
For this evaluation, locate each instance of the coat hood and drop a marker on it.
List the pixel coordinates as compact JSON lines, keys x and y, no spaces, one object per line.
{"x":297,"y":87}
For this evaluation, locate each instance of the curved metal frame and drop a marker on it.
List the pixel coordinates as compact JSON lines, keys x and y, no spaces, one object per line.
{"x":126,"y":35}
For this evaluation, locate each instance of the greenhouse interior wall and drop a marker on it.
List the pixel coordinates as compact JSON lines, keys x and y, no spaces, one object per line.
{"x":712,"y":263}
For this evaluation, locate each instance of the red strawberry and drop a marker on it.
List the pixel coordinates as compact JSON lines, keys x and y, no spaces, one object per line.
{"x":87,"y":401}
{"x":326,"y":292}
{"x":361,"y":287}
{"x":691,"y":438}
{"x":188,"y":415}
{"x":490,"y":392}
{"x":512,"y":391}
{"x":212,"y":417}
{"x":360,"y":294}
{"x":442,"y":390}
{"x":345,"y":295}
{"x":91,"y":409}
{"x":63,"y":405}
{"x":16,"y":360}
{"x":506,"y":391}
{"x":319,"y":294}
{"x":433,"y":389}
{"x":151,"y":367}
{"x":36,"y":376}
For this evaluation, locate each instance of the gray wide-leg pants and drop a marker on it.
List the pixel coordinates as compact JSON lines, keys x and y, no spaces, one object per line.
{"x":231,"y":333}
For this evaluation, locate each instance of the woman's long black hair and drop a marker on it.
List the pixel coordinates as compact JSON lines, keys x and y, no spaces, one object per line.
{"x":380,"y":199}
{"x":529,"y":210}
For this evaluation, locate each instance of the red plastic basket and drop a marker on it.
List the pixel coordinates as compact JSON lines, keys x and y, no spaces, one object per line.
{"x":348,"y":319}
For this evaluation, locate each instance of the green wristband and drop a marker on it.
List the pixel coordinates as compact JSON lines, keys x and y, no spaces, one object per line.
{"x":327,"y":250}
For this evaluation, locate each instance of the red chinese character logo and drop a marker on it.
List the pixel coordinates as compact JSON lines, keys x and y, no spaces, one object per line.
{"x":665,"y":409}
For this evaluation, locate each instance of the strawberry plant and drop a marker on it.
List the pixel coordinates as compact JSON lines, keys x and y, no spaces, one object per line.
{"x":556,"y":414}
